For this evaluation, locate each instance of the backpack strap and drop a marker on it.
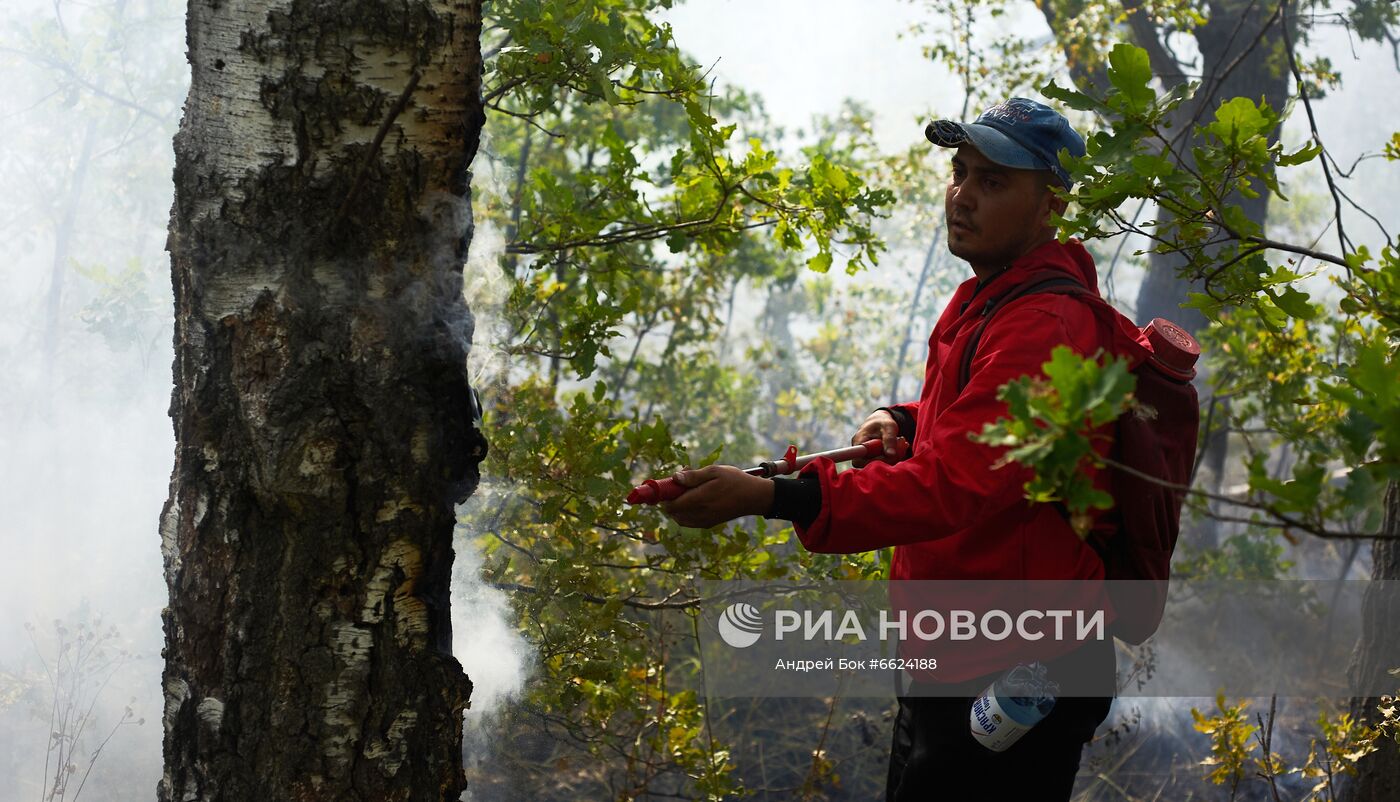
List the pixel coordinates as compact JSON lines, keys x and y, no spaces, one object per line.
{"x":1059,"y":284}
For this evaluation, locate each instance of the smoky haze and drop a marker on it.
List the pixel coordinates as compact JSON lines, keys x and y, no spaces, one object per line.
{"x":89,"y":102}
{"x":90,"y":97}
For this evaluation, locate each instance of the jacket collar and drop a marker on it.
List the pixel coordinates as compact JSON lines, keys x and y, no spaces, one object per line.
{"x":1054,"y":256}
{"x":1069,"y":257}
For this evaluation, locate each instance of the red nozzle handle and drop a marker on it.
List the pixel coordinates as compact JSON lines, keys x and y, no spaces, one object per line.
{"x":875,"y":448}
{"x":655,"y":491}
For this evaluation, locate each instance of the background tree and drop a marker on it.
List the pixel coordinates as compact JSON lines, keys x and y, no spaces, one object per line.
{"x":323,"y":418}
{"x":120,"y":104}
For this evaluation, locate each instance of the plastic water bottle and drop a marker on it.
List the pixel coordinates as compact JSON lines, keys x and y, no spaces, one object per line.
{"x":1011,"y":705}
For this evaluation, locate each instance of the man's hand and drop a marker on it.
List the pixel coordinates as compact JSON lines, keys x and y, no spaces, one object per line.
{"x":880,"y":424}
{"x":719,"y":493}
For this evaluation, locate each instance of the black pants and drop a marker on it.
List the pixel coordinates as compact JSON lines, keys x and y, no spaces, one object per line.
{"x":935,"y":757}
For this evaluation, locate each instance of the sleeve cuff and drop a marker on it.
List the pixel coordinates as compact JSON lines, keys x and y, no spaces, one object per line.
{"x":797,"y":500}
{"x":906,"y":423}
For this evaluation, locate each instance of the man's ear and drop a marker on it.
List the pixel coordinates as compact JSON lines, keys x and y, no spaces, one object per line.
{"x":1053,"y":202}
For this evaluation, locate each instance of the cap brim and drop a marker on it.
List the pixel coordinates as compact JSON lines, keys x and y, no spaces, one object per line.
{"x":990,"y":142}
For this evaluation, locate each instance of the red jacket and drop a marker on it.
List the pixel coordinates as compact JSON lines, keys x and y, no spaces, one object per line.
{"x":948,"y":514}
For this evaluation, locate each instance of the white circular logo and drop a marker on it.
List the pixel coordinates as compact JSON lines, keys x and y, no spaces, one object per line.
{"x":740,"y":625}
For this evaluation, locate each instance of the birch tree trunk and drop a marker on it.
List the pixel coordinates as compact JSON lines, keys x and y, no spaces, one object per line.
{"x":324,"y":424}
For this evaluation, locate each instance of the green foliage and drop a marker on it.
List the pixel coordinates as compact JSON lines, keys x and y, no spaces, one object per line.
{"x":1230,"y":741}
{"x":635,"y":203}
{"x":1136,"y":158}
{"x":621,"y":74}
{"x":1131,"y":72}
{"x":1333,"y":753}
{"x":1374,"y":20}
{"x":1246,"y":557}
{"x":1344,"y":742}
{"x":825,"y":378}
{"x":1056,"y":427}
{"x":123,"y":311}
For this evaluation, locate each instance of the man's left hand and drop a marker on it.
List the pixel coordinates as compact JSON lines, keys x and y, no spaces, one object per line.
{"x":718,"y":493}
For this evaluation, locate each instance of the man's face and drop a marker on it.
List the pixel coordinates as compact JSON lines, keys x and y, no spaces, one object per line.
{"x":995,"y":214}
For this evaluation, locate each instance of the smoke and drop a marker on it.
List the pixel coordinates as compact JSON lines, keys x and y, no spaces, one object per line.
{"x":81,"y":486}
{"x":85,"y":443}
{"x":490,"y":647}
{"x":1150,"y":745}
{"x":487,"y":287}
{"x":486,"y":641}
{"x":492,"y":651}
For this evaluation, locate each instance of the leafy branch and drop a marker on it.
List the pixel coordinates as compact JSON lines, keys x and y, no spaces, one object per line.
{"x":1055,"y":425}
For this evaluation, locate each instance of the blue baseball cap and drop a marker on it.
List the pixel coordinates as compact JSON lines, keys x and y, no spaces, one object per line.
{"x":1019,"y":133}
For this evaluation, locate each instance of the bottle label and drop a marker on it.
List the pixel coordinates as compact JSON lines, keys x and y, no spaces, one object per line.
{"x":992,"y":725}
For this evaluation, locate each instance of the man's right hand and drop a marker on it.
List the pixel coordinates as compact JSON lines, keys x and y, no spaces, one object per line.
{"x":880,"y":424}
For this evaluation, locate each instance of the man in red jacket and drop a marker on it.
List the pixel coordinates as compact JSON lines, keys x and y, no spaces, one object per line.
{"x":948,"y":514}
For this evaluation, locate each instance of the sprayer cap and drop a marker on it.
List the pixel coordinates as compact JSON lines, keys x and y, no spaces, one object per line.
{"x":1173,"y":346}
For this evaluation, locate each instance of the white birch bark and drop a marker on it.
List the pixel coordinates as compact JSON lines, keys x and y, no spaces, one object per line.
{"x":323,"y":418}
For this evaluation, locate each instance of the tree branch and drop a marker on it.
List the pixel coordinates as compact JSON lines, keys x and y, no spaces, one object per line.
{"x":394,"y":112}
{"x":1343,"y":241}
{"x":73,"y":75}
{"x":666,"y":603}
{"x":1320,"y":256}
{"x":637,"y":233}
{"x":1282,"y":521}
{"x":490,"y":97}
{"x":529,"y":118}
